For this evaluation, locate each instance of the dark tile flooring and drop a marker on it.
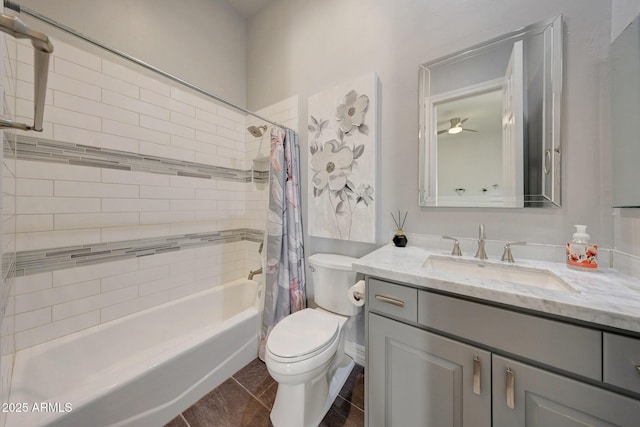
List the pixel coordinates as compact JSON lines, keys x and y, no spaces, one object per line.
{"x":246,"y":399}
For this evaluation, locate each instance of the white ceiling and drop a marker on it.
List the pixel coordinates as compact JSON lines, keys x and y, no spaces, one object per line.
{"x":248,"y":8}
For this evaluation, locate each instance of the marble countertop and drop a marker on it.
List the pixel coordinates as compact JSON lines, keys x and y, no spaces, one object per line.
{"x":603,"y":297}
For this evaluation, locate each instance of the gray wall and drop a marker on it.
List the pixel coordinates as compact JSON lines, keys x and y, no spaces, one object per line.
{"x":303,"y":47}
{"x":201,"y":41}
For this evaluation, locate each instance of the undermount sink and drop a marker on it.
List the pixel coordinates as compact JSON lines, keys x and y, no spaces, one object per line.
{"x":527,"y":276}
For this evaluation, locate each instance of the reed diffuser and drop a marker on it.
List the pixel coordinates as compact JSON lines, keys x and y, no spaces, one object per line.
{"x":399,"y":238}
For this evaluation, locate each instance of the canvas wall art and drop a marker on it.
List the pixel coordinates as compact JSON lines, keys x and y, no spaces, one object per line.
{"x":343,"y":145}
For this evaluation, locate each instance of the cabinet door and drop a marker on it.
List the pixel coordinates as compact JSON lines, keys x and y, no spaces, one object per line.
{"x":416,"y":378}
{"x":532,"y":397}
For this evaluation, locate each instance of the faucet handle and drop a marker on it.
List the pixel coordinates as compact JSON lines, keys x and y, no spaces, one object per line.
{"x":507,"y":256}
{"x":456,"y":246}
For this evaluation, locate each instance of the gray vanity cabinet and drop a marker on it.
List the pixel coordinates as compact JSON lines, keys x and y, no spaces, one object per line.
{"x":527,"y":396}
{"x":417,"y":378}
{"x":436,"y":360}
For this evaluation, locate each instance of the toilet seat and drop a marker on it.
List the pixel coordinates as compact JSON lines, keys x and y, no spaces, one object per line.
{"x":302,"y":335}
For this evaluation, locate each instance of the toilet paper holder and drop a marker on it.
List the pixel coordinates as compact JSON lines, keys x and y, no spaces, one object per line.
{"x":358,"y":295}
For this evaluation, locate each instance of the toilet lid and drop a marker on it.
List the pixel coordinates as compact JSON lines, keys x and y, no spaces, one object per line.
{"x":305,"y":332}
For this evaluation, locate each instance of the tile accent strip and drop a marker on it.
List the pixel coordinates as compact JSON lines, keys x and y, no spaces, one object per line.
{"x":46,"y":260}
{"x":44,"y":150}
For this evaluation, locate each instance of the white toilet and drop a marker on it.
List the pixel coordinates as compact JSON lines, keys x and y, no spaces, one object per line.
{"x":305,"y":351}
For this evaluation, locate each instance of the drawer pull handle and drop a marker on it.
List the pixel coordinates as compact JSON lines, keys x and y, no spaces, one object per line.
{"x":390,"y":300}
{"x":476,"y":374}
{"x":511,"y":379}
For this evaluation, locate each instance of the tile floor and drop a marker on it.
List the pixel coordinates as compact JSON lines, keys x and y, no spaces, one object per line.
{"x":246,"y":399}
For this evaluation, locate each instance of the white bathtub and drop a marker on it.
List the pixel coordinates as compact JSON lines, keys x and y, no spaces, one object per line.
{"x":140,"y":370}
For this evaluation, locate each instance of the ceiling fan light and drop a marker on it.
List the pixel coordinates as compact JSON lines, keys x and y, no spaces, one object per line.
{"x":454,"y":130}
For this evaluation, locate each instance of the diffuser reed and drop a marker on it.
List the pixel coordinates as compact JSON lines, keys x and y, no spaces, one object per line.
{"x":399,"y":238}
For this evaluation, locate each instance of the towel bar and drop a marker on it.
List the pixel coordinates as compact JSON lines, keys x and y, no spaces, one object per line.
{"x":42,"y":48}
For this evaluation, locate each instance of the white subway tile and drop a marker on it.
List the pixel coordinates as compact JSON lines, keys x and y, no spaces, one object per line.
{"x":24,"y":72}
{"x":93,"y":77}
{"x":31,"y":319}
{"x":128,"y":177}
{"x":193,"y":123}
{"x":230,"y":113}
{"x":135,"y":77}
{"x":132,"y":306}
{"x":190,"y":182}
{"x":48,"y":297}
{"x":57,"y":329}
{"x":45,"y":205}
{"x":34,"y":187}
{"x":167,"y":102}
{"x":95,"y":139}
{"x":96,"y":108}
{"x":139,"y":232}
{"x":55,"y":239}
{"x":166,"y":217}
{"x":63,"y":84}
{"x":133,"y":278}
{"x":24,"y":90}
{"x":153,"y":149}
{"x":93,"y":271}
{"x":134,"y":205}
{"x":166,"y":192}
{"x":129,"y":131}
{"x":166,"y":258}
{"x":166,"y":283}
{"x":78,"y":56}
{"x":93,"y":220}
{"x":94,"y":302}
{"x":216,"y":119}
{"x":183,"y":95}
{"x":192,"y":144}
{"x":41,"y":170}
{"x":33,"y":283}
{"x":232,"y":135}
{"x":135,"y":105}
{"x":163,"y":125}
{"x":24,"y":53}
{"x":95,"y":189}
{"x":30,"y":223}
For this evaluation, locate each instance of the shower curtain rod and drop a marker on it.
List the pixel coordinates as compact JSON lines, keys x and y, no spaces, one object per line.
{"x":21,"y":9}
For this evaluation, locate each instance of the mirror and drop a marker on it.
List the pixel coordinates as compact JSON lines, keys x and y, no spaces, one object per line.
{"x":624,"y":63}
{"x":490,"y":122}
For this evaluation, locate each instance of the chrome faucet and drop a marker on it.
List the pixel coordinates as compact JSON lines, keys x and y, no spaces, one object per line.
{"x":480,"y":253}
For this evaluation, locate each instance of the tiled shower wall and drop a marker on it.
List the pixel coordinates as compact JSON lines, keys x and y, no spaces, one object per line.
{"x":136,"y":193}
{"x":7,"y":209}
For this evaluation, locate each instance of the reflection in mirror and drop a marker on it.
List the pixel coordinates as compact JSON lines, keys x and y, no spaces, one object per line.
{"x":624,"y":63}
{"x":489,"y":122}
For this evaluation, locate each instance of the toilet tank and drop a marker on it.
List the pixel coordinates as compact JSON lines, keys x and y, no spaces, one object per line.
{"x":332,"y":278}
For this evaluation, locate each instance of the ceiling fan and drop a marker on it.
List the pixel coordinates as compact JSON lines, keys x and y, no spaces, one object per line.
{"x":456,"y":126}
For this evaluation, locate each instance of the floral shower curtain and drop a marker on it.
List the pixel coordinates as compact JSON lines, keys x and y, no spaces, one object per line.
{"x":285,"y":282}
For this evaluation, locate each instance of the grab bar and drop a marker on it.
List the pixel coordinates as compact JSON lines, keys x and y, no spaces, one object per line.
{"x":42,"y":48}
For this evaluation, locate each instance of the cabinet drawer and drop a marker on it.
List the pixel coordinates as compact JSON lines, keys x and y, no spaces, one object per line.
{"x":395,"y":300}
{"x":569,"y":347}
{"x":622,"y":361}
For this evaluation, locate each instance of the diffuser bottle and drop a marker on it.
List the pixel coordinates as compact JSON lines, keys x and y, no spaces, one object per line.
{"x":581,"y":254}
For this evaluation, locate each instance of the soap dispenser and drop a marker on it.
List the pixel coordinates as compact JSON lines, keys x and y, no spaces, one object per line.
{"x":582,"y":255}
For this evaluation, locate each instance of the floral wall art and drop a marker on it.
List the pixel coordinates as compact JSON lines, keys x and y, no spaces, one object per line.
{"x":342,"y":139}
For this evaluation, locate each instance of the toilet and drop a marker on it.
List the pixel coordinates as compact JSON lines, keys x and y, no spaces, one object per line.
{"x":305,"y":351}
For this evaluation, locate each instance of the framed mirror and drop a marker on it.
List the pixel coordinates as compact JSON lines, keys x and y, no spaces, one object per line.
{"x":490,"y":122}
{"x":624,"y":76}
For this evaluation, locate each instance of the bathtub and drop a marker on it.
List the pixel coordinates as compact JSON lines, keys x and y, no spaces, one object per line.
{"x":139,"y":370}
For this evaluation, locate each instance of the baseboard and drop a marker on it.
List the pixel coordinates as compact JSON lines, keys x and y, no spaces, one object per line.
{"x":355,"y":351}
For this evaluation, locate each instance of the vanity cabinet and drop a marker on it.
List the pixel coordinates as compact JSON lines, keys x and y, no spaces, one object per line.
{"x":417,"y":378}
{"x":435,"y":360}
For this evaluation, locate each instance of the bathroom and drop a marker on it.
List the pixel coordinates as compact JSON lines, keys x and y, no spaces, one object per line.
{"x":271,"y":61}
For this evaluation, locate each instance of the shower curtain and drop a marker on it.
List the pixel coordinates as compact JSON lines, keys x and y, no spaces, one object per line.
{"x":285,"y":282}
